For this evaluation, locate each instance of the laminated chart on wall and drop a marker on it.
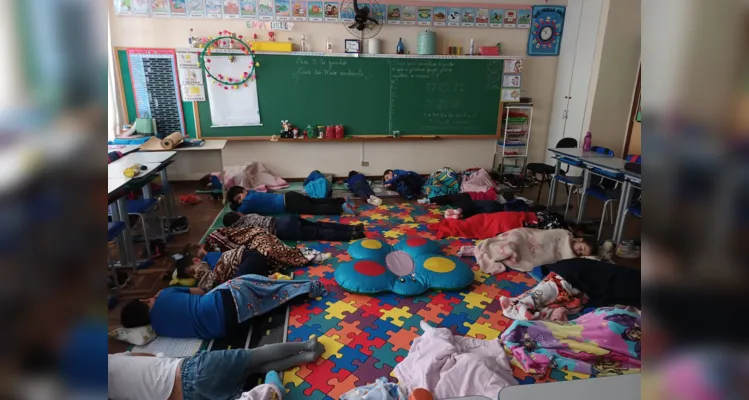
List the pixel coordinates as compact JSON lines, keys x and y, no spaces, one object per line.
{"x":156,"y":88}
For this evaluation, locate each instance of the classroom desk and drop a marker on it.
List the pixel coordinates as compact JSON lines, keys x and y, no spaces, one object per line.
{"x":117,"y":203}
{"x":615,"y":165}
{"x":631,"y":179}
{"x":125,"y":149}
{"x":193,"y":159}
{"x":575,"y":153}
{"x":163,"y":158}
{"x":623,"y":387}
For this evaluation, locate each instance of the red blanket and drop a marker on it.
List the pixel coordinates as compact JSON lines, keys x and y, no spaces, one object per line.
{"x":482,"y":226}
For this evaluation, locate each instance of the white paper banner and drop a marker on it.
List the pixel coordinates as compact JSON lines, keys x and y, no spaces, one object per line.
{"x":188,"y":60}
{"x":193,"y":93}
{"x":232,"y":107}
{"x":190,"y":76}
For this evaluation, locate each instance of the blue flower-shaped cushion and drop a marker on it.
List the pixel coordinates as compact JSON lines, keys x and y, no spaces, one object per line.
{"x":409,"y":268}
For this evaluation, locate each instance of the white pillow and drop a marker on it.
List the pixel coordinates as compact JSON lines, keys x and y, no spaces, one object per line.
{"x":139,"y":336}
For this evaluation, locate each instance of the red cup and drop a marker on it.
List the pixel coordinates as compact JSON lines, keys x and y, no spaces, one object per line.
{"x":339,"y":131}
{"x":330,"y":132}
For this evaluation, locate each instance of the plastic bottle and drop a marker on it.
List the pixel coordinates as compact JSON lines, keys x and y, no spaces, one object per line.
{"x":400,"y":49}
{"x":587,"y":141}
{"x":329,"y":46}
{"x":472,"y":49}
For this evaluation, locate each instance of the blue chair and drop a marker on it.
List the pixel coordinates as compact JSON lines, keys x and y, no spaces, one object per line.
{"x":608,"y":196}
{"x":636,"y":207}
{"x":141,"y":208}
{"x":547,"y":171}
{"x":574,"y":184}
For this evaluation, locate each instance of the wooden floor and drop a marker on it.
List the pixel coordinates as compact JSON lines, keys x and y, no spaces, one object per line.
{"x":148,"y":281}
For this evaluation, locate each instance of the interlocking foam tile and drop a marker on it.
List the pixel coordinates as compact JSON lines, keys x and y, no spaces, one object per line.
{"x":366,"y":336}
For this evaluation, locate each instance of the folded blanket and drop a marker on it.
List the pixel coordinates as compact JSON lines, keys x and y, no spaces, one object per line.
{"x":523,"y":249}
{"x":477,"y":181}
{"x":552,"y":299}
{"x":482,"y":226}
{"x":454,"y":366}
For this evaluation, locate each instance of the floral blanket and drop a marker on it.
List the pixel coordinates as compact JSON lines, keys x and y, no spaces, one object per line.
{"x":603,"y":342}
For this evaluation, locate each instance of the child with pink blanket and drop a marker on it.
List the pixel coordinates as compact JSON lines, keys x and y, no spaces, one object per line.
{"x":523,"y":249}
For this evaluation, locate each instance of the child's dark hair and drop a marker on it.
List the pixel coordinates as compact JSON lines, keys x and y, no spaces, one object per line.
{"x":592,"y":243}
{"x":352,"y":173}
{"x":188,"y":254}
{"x":387,"y":171}
{"x":135,"y":314}
{"x":230,"y":218}
{"x":233,"y":192}
{"x":205,"y":181}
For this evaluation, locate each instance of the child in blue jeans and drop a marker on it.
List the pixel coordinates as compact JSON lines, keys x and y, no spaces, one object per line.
{"x":358,"y":184}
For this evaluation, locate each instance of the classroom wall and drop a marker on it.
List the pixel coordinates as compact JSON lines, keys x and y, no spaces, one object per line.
{"x":294,"y":160}
{"x":614,"y":78}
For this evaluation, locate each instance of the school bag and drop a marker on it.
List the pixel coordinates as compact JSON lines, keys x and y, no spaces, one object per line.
{"x":443,"y":182}
{"x":316,"y":186}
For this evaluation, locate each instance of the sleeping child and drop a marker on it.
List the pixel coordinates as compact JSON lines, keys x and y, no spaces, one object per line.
{"x":523,"y":249}
{"x":245,"y":201}
{"x":407,"y":183}
{"x":210,"y":270}
{"x":358,"y":184}
{"x":484,"y":226}
{"x":292,"y":227}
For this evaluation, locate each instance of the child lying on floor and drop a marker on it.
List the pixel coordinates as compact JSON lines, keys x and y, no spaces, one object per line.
{"x":181,"y":312}
{"x":466,"y":206}
{"x":291,"y":227}
{"x":217,"y":374}
{"x":407,"y":183}
{"x":358,"y":184}
{"x":484,"y":226}
{"x":278,"y":254}
{"x":245,"y":201}
{"x":523,"y":249}
{"x":209,"y":273}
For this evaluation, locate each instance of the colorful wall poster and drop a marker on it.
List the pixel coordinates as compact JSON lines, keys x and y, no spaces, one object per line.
{"x":511,"y":18}
{"x":524,"y":18}
{"x":482,"y":17}
{"x":123,"y":7}
{"x":265,"y":10}
{"x":511,"y":80}
{"x":178,"y":8}
{"x":513,"y":66}
{"x":377,"y":11}
{"x":331,"y":12}
{"x":496,"y":16}
{"x":439,"y":16}
{"x":510,"y":95}
{"x":468,"y":17}
{"x":314,"y":11}
{"x":347,"y":12}
{"x":214,"y":9}
{"x":453,"y":16}
{"x":196,"y":8}
{"x":283,"y":10}
{"x":248,"y":9}
{"x":299,"y":10}
{"x":394,"y":14}
{"x":409,"y":15}
{"x":231,"y":9}
{"x":141,"y":8}
{"x":159,"y":9}
{"x":546,"y":31}
{"x":424,"y":15}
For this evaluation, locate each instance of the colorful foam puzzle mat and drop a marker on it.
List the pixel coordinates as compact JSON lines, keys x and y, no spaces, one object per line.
{"x":366,"y":336}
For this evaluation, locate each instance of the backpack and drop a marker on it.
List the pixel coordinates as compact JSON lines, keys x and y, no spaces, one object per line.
{"x":443,"y":182}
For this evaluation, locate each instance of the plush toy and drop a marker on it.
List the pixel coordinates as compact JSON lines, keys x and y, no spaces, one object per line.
{"x":410,"y":267}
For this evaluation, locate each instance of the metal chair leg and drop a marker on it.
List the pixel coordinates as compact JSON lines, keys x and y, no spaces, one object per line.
{"x":567,"y":205}
{"x":145,"y":234}
{"x":600,"y":226}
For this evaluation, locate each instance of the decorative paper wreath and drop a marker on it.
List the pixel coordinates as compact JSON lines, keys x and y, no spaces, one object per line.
{"x":234,"y":83}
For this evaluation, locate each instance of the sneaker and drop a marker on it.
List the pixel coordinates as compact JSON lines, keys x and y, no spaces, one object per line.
{"x":425,"y":200}
{"x":348,"y":209}
{"x":374,"y":200}
{"x":179,"y":225}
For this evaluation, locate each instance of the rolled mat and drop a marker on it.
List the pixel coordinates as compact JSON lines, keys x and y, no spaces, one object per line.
{"x":172,"y":141}
{"x":168,"y":143}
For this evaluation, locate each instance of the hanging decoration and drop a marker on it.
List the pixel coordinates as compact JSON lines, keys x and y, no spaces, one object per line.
{"x":545,"y":34}
{"x":229,"y":40}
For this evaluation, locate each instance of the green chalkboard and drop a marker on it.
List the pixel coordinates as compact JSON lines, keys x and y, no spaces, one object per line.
{"x":372,"y":96}
{"x":368,"y":95}
{"x":129,"y":98}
